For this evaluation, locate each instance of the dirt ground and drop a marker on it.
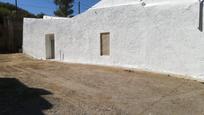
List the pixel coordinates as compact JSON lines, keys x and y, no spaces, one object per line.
{"x":35,"y":87}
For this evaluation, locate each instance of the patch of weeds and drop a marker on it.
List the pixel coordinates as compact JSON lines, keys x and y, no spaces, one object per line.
{"x":130,"y":71}
{"x":202,"y":82}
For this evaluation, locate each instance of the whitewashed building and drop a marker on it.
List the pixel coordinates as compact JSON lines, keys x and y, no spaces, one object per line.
{"x":154,"y":35}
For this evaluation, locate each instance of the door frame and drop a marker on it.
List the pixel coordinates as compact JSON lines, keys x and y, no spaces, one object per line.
{"x":50,"y":46}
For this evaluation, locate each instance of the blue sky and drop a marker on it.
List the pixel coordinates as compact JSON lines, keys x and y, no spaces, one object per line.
{"x":48,"y":6}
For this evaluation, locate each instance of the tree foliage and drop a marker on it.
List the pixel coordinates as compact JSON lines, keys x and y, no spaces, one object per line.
{"x":40,"y":15}
{"x":7,"y":9}
{"x":64,"y":8}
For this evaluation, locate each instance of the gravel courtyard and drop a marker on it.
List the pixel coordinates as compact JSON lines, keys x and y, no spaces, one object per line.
{"x":36,"y":87}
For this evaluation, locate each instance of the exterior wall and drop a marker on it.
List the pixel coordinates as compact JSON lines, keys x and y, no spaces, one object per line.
{"x":112,"y":3}
{"x":161,"y":38}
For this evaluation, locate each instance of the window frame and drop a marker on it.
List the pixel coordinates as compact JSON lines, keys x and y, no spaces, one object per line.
{"x":101,"y":44}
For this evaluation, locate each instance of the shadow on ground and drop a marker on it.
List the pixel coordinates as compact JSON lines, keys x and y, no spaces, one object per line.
{"x":18,"y":99}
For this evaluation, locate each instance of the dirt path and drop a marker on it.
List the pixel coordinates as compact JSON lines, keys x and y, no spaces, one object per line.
{"x":74,"y":89}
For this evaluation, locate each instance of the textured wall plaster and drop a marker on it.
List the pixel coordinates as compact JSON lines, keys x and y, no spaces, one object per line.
{"x":161,"y":38}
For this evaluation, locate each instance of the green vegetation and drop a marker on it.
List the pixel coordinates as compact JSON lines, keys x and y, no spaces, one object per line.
{"x":11,"y":27}
{"x":7,"y":9}
{"x":64,"y":8}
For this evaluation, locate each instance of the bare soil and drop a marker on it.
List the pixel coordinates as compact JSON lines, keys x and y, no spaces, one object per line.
{"x":36,"y":87}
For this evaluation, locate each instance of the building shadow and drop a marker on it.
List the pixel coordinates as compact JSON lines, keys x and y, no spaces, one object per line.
{"x":18,"y":99}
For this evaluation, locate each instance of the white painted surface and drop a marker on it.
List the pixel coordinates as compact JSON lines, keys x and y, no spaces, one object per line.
{"x":161,"y":38}
{"x":54,"y":17}
{"x":113,"y":3}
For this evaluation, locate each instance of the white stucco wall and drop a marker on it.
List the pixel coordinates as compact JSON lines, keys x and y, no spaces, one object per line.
{"x":53,"y":17}
{"x":112,"y":3}
{"x":160,"y":38}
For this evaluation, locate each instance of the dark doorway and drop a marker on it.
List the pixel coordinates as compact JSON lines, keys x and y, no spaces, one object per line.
{"x":50,"y":46}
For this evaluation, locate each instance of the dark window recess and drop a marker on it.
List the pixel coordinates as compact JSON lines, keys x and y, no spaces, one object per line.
{"x":105,"y":44}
